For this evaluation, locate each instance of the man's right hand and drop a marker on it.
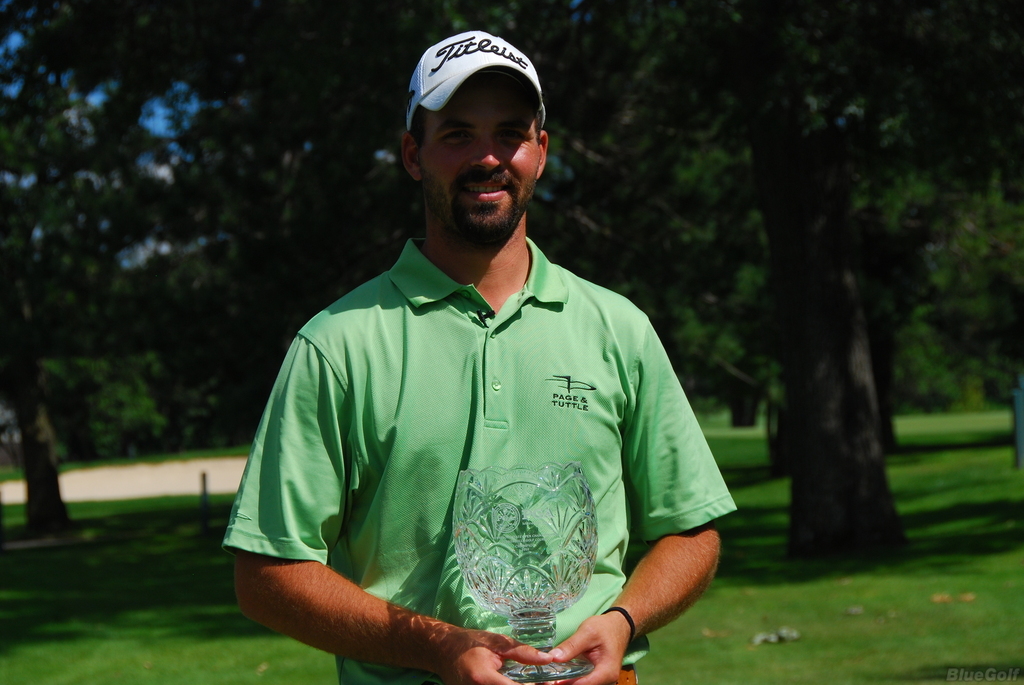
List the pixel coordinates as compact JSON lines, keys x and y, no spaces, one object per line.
{"x":474,"y":657}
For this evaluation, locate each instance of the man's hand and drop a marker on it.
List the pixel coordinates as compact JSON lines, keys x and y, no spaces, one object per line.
{"x":602,"y":639}
{"x":473,"y":657}
{"x":669,"y":578}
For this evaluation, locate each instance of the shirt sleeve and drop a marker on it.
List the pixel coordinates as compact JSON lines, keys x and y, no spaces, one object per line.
{"x":290,"y":503}
{"x":672,"y":481}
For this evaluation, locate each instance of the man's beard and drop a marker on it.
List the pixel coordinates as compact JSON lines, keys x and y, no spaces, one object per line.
{"x":484,"y":224}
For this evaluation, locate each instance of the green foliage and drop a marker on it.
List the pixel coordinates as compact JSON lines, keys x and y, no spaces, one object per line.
{"x":924,"y":100}
{"x":942,"y":278}
{"x":979,"y":268}
{"x":271,"y":185}
{"x":255,"y":207}
{"x":106,"y":409}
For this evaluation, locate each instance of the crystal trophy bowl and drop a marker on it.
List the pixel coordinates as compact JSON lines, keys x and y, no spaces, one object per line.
{"x":526,"y":542}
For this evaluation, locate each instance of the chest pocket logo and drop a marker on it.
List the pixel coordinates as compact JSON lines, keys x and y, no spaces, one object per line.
{"x":572,"y":397}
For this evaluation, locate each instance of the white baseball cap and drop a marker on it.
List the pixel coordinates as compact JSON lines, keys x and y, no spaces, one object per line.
{"x":445,"y":66}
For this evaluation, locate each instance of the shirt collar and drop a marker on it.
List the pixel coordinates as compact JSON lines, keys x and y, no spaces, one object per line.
{"x":421,"y":282}
{"x":418,"y":279}
{"x":545,"y":281}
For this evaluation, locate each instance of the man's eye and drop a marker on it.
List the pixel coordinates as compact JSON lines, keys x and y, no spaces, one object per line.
{"x":455,"y":135}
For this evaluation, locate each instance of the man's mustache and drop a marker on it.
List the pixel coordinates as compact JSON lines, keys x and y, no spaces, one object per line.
{"x":483,"y":176}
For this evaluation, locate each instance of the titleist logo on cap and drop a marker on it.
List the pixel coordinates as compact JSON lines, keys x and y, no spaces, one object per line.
{"x":470,"y":45}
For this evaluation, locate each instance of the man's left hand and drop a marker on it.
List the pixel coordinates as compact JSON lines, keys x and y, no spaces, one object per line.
{"x":603,"y":639}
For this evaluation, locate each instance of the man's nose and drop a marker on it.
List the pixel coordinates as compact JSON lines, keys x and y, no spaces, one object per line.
{"x":486,"y":154}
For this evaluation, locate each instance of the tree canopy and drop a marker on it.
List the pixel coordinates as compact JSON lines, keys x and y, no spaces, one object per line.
{"x":817,"y":203}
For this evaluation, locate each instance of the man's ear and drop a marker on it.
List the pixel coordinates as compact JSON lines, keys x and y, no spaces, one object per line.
{"x":411,"y":156}
{"x":542,"y":142}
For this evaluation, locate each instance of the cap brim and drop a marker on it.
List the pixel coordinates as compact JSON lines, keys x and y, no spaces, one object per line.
{"x":437,"y":98}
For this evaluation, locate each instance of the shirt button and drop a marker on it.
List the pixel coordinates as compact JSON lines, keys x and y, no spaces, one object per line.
{"x":496,"y":385}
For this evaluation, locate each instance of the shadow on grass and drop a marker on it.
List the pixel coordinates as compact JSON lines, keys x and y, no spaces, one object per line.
{"x":940,"y":541}
{"x":973,"y":441}
{"x":165,"y":580}
{"x":951,"y":515}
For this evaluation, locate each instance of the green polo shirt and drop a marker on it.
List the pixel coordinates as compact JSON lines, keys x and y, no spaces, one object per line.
{"x":388,"y":393}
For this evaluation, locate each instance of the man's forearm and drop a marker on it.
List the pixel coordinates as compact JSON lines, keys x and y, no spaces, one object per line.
{"x":671,"y":577}
{"x":315,"y":605}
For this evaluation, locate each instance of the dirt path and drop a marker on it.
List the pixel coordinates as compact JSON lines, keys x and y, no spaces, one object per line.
{"x":140,"y":480}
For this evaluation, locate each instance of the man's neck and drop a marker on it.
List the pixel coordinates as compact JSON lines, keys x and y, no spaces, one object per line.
{"x":497,"y":272}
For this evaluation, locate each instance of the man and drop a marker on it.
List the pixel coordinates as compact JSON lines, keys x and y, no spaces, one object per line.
{"x":473,"y":350}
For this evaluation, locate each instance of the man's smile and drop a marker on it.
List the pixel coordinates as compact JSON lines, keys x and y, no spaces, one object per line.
{"x":487,"y":193}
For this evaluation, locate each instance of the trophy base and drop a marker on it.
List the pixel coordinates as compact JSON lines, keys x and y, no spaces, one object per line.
{"x":526,"y":673}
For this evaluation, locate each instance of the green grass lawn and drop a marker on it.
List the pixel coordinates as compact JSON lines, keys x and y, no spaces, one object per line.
{"x":145,"y":598}
{"x":953,"y":598}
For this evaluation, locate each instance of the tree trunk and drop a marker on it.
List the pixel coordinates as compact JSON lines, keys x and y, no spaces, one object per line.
{"x":883,"y":359}
{"x":840,"y":494}
{"x":743,"y":409}
{"x":778,"y":464}
{"x":45,"y":510}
